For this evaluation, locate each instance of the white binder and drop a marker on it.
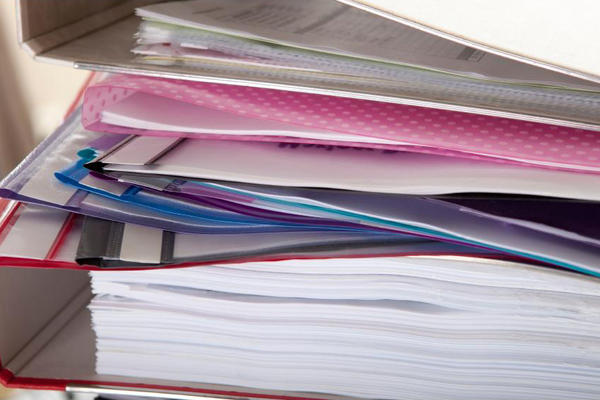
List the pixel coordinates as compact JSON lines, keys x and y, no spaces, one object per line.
{"x":100,"y":37}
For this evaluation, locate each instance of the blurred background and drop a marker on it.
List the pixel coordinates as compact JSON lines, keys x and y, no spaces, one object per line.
{"x":33,"y":100}
{"x":33,"y":96}
{"x":6,"y":394}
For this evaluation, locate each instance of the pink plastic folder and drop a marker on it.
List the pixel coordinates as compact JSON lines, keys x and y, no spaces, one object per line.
{"x":382,"y":125}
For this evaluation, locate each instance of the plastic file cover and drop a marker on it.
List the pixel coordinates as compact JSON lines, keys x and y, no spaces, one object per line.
{"x":110,"y":244}
{"x":429,"y":217}
{"x":139,"y":111}
{"x":348,"y":168}
{"x":33,"y":181}
{"x":327,"y":209}
{"x":369,"y":328}
{"x":200,"y":206}
{"x":330,"y":209}
{"x":56,"y":235}
{"x":349,"y":210}
{"x":572,"y":219}
{"x":62,"y":238}
{"x":411,"y":128}
{"x":191,"y":197}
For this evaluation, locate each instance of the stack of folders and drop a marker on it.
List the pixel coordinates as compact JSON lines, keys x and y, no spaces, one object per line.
{"x":325,"y":245}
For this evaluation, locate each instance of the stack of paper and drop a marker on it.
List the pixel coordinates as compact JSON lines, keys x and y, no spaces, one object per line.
{"x":332,"y":245}
{"x":369,"y":328}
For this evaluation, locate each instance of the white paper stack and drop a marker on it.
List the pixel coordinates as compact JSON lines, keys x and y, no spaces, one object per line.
{"x":410,"y":328}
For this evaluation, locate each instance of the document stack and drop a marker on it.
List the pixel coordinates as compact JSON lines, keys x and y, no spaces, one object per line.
{"x":246,"y":241}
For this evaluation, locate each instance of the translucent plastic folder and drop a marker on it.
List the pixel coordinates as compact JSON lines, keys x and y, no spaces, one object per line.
{"x":109,"y":244}
{"x":34,"y":181}
{"x":558,"y":241}
{"x":125,"y":104}
{"x":348,"y":168}
{"x":64,"y":240}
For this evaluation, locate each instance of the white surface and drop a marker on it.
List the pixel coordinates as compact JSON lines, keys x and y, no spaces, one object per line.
{"x":320,"y":278}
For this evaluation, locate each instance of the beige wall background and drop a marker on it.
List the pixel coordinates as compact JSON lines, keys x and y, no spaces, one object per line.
{"x":33,"y":100}
{"x":33,"y":96}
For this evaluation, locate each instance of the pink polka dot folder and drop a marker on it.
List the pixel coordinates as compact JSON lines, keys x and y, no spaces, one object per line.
{"x":140,"y":105}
